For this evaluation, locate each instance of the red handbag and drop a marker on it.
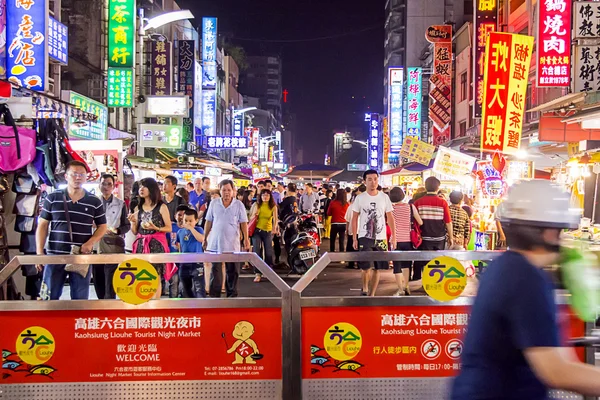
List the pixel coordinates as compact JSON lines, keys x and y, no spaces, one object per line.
{"x":415,"y":231}
{"x":252,"y":225}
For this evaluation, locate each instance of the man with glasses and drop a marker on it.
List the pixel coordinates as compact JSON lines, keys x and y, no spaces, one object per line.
{"x":114,"y":241}
{"x":67,"y":221}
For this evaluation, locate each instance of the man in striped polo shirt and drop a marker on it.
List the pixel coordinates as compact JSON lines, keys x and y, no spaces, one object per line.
{"x":437,"y":224}
{"x":84,"y":210}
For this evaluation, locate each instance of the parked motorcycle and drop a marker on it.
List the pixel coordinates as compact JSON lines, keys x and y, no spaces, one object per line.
{"x":302,"y":242}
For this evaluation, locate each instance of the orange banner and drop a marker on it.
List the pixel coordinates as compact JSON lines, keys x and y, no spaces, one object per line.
{"x":140,"y":345}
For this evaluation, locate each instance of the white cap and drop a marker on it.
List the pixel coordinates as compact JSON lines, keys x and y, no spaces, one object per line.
{"x":539,"y":203}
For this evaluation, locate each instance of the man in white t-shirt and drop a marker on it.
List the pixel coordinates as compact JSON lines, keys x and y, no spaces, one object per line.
{"x":369,"y":212}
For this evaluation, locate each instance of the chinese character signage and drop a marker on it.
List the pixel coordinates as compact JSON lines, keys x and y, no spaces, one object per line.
{"x":209,"y":52}
{"x":384,"y":342}
{"x":416,"y":150}
{"x":395,"y":101}
{"x":209,"y":104}
{"x":587,"y":64}
{"x":554,"y":38}
{"x":238,"y":123}
{"x":508,"y":57}
{"x":187,"y":70}
{"x":26,"y":61}
{"x":92,"y":130}
{"x":120,"y":87}
{"x":141,"y":344}
{"x":198,"y":102}
{"x":587,"y":20}
{"x":121,"y":33}
{"x":161,"y":136}
{"x":58,"y":41}
{"x":255,"y":144}
{"x":386,"y":142}
{"x":161,"y":67}
{"x":486,"y":21}
{"x":414,"y":96}
{"x":374,"y":147}
{"x":492,"y":177}
{"x":227,"y":142}
{"x":452,"y":163}
{"x":440,"y":88}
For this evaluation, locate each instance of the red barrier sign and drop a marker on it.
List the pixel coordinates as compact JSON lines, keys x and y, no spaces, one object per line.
{"x":133,"y":345}
{"x":390,"y":342}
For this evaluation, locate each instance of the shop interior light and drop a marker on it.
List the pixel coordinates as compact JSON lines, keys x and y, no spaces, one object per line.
{"x":167,"y":18}
{"x":521,"y":154}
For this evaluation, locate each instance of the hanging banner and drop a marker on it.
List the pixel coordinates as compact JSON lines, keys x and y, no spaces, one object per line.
{"x":440,"y":88}
{"x":452,"y":163}
{"x":486,"y":21}
{"x":586,"y":20}
{"x":554,"y":36}
{"x":58,"y":41}
{"x":395,"y":101}
{"x":415,"y":98}
{"x":415,"y":150}
{"x":186,"y":51}
{"x":508,"y":57}
{"x":587,"y":68}
{"x":491,"y":175}
{"x":121,"y":33}
{"x":26,"y":37}
{"x":209,"y":52}
{"x":120,"y":87}
{"x":161,"y":67}
{"x":374,"y":146}
{"x":386,"y":141}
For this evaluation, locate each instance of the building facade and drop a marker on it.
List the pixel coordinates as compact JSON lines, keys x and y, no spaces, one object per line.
{"x":263,"y":79}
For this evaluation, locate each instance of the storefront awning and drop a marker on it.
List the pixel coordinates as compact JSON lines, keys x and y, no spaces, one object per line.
{"x":584,"y":115}
{"x":564,"y":101}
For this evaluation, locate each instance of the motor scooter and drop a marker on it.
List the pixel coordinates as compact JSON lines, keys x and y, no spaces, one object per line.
{"x":302,"y":242}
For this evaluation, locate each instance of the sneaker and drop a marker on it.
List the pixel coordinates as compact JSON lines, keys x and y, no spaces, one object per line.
{"x":257,"y":279}
{"x":399,"y":293}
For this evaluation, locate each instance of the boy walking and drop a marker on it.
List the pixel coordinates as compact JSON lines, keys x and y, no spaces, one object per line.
{"x":190,"y":238}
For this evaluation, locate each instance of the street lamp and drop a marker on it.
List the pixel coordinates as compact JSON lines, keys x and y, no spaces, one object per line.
{"x":152,"y":23}
{"x":243,"y":110}
{"x":236,"y":113}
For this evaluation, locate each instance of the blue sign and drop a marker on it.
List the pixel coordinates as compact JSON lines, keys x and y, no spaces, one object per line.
{"x":227,"y":142}
{"x":26,"y":61}
{"x":374,"y":145}
{"x":58,"y":41}
{"x":209,"y":52}
{"x":367,"y":117}
{"x":209,"y":105}
{"x":395,"y":99}
{"x":238,"y":124}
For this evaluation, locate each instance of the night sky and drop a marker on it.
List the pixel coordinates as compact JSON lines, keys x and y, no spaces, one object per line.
{"x":320,"y":75}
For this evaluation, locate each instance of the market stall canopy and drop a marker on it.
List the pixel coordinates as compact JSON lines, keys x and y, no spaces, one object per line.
{"x":313,"y":171}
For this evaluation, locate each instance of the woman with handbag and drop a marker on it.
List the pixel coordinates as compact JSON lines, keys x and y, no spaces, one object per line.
{"x":151,"y":221}
{"x":267,"y":225}
{"x":405,"y":215}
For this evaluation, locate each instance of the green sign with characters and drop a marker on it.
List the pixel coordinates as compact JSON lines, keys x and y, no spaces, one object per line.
{"x":161,"y":136}
{"x":120,"y":87}
{"x":91,"y":130}
{"x":121,"y":33}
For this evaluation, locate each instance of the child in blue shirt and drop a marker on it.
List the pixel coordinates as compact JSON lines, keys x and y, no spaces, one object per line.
{"x":190,"y":238}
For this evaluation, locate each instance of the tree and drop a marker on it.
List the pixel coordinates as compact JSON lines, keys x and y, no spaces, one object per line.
{"x":238,"y":54}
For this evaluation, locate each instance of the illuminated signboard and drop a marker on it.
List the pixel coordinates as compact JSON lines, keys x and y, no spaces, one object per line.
{"x":121,"y":33}
{"x":26,"y":37}
{"x":120,"y":87}
{"x":395,"y":100}
{"x":440,"y":88}
{"x":187,"y":70}
{"x":367,"y":117}
{"x":554,"y":38}
{"x":166,"y":106}
{"x":486,"y":21}
{"x":209,"y":52}
{"x":197,"y":110}
{"x":161,"y":67}
{"x":374,"y":141}
{"x":92,"y":130}
{"x":414,"y":96}
{"x":209,"y":103}
{"x":238,"y":124}
{"x":255,"y":144}
{"x":227,"y":142}
{"x":505,"y":86}
{"x":58,"y":41}
{"x":385,"y":150}
{"x":161,"y":136}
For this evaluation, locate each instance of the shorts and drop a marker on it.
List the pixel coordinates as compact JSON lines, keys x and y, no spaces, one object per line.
{"x":365,"y":244}
{"x":400,"y":265}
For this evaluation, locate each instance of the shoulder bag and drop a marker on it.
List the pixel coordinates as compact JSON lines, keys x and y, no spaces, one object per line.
{"x":81,"y":269}
{"x":415,"y":230}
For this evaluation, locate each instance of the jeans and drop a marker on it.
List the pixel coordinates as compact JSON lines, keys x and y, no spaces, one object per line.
{"x":426,"y":245}
{"x":232,"y":271}
{"x":265,"y":239}
{"x":191,"y":280}
{"x":400,"y":265}
{"x":277,"y":248}
{"x":103,"y":280}
{"x":54,"y":280}
{"x":365,"y":244}
{"x":337,"y":229}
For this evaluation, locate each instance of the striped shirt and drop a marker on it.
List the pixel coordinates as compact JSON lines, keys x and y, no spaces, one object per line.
{"x":435,"y":214}
{"x":83,"y":213}
{"x":402,"y":219}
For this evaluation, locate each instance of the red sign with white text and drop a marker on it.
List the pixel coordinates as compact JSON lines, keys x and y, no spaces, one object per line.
{"x":145,"y":344}
{"x":392,"y":342}
{"x":554,"y":43}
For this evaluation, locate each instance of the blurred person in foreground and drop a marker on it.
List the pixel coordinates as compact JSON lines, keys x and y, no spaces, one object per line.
{"x":513,"y":348}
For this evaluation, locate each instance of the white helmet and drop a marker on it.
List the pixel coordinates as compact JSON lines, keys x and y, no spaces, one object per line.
{"x":539,"y":203}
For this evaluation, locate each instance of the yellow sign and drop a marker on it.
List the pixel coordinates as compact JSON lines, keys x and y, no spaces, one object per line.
{"x":342,"y":341}
{"x":416,"y":150}
{"x":453,"y":164}
{"x":386,"y":141}
{"x":136,"y":281}
{"x":444,"y":278}
{"x":35,"y":345}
